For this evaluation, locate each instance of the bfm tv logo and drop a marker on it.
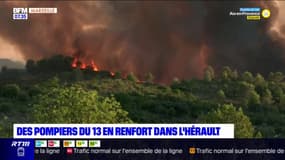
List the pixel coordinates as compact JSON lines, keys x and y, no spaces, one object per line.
{"x":20,"y":13}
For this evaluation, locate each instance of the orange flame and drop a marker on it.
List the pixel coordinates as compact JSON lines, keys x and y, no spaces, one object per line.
{"x":94,"y":67}
{"x":74,"y":63}
{"x":83,"y":66}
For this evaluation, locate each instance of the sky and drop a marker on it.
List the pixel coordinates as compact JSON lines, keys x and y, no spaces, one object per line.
{"x":279,"y":23}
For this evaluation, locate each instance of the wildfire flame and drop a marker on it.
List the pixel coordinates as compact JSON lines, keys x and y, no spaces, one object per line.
{"x":94,"y":67}
{"x":83,"y":66}
{"x":74,"y":63}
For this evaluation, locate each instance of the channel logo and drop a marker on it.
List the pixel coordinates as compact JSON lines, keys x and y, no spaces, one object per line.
{"x":53,"y":143}
{"x":20,"y":13}
{"x":94,"y":143}
{"x":81,"y":143}
{"x":40,"y":143}
{"x":68,"y":143}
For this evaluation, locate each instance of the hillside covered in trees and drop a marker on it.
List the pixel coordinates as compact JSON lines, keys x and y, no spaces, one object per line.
{"x":51,"y":91}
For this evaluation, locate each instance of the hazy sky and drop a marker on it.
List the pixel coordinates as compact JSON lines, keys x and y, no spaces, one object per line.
{"x":280,"y":22}
{"x":8,"y":50}
{"x":169,"y":39}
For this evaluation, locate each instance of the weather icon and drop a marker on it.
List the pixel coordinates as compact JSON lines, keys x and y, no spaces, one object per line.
{"x":265,"y":13}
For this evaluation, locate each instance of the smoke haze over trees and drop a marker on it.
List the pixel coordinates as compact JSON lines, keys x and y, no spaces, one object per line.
{"x":166,"y":38}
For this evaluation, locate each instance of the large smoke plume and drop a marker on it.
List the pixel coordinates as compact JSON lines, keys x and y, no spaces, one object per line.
{"x":168,"y":39}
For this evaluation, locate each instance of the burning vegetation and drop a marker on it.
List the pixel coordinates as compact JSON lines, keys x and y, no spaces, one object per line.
{"x":76,"y":63}
{"x":72,"y":68}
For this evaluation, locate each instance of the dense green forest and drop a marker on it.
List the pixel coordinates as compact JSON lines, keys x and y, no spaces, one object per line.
{"x":51,"y":91}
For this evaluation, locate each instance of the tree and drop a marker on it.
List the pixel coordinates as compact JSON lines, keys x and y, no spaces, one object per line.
{"x":132,"y":77}
{"x":149,"y":77}
{"x":258,"y":135}
{"x":4,"y":69}
{"x":10,"y":90}
{"x":59,"y":63}
{"x":221,"y":95}
{"x":73,"y":104}
{"x":276,"y":77}
{"x":229,"y":114}
{"x":248,"y":77}
{"x":253,"y":97}
{"x":30,"y":66}
{"x":282,"y":100}
{"x":175,"y":80}
{"x":267,"y":97}
{"x":276,"y":90}
{"x":244,"y":88}
{"x":259,"y":80}
{"x":260,"y":83}
{"x":209,"y":74}
{"x":77,"y":74}
{"x":235,"y":75}
{"x":118,"y":75}
{"x":5,"y":126}
{"x":227,"y":73}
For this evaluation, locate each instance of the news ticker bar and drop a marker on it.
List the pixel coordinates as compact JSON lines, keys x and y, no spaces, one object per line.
{"x":123,"y":131}
{"x":246,"y":149}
